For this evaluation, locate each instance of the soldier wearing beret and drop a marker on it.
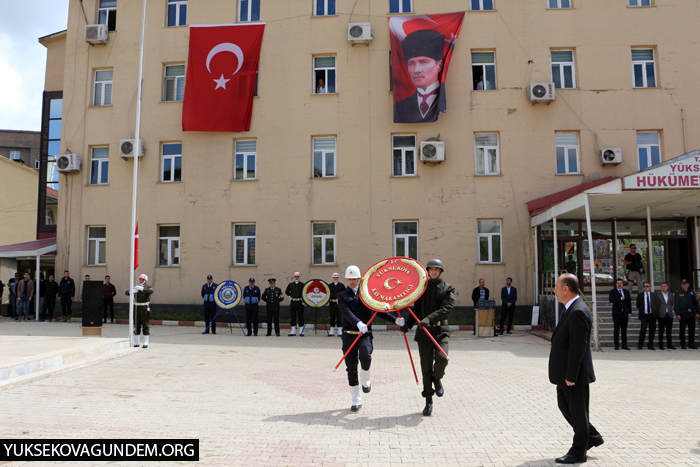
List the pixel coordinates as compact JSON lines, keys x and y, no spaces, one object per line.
{"x":273,"y":297}
{"x":423,"y":51}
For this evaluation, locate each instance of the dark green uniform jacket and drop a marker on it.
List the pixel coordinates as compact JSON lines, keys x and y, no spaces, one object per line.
{"x":435,"y":304}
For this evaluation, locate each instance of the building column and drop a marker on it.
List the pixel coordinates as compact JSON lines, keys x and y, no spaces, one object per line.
{"x":591,"y":256}
{"x":534,"y":236}
{"x":37,"y":295}
{"x":697,"y":252}
{"x":650,"y":251}
{"x":616,"y":254}
{"x":556,"y":270}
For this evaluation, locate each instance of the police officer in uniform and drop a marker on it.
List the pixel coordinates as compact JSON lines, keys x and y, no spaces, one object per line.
{"x":208,"y":290}
{"x":355,"y":315}
{"x":142,"y":305}
{"x":432,"y":309}
{"x":336,"y":316}
{"x":251,"y":298}
{"x":296,"y":306}
{"x":688,"y":312}
{"x":273,"y":297}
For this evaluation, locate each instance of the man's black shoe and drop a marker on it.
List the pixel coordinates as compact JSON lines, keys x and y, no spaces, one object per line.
{"x":268,"y":334}
{"x":595,"y":442}
{"x":213,"y":331}
{"x":693,"y":347}
{"x":355,"y":408}
{"x":661,"y":347}
{"x":639,"y":347}
{"x":205,"y":332}
{"x":569,"y":459}
{"x":439,"y":390}
{"x":625,"y":347}
{"x":671,"y":347}
{"x":617,"y":347}
{"x":428,"y":410}
{"x":301,"y":334}
{"x":651,"y":348}
{"x":366,"y":389}
{"x":277,"y":335}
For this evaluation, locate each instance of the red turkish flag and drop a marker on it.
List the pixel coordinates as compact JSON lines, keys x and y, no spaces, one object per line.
{"x":220,"y":82}
{"x":136,"y":247}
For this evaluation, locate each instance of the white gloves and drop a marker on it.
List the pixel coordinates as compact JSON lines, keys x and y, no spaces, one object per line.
{"x":400,"y":321}
{"x":134,"y":290}
{"x":139,"y":288}
{"x":362,"y":327}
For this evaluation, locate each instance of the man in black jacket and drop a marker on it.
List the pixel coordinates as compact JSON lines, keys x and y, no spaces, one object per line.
{"x":688,"y":312}
{"x":509,"y":295}
{"x":273,"y":297}
{"x":480,"y":293}
{"x":646,"y":316}
{"x":571,"y":368}
{"x":66,"y":293}
{"x":209,"y":304}
{"x":296,"y":304}
{"x":49,"y":292}
{"x":621,"y":311}
{"x":251,"y":298}
{"x":336,"y":317}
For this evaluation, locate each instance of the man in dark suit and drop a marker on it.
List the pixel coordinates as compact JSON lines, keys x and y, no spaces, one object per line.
{"x":422,"y":51}
{"x":687,"y":312}
{"x":621,"y":311}
{"x":480,"y":293}
{"x":662,"y":308}
{"x":571,"y":368}
{"x":646,"y":316}
{"x":509,"y":295}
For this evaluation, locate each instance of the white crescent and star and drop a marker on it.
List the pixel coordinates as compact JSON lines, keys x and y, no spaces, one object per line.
{"x":225,"y":47}
{"x":387,"y":286}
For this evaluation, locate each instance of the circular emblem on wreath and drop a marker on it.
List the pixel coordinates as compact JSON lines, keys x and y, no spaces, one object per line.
{"x":316,"y":293}
{"x":393,"y":283}
{"x":228,"y":294}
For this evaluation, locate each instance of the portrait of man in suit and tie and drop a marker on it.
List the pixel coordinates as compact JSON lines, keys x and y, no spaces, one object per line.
{"x":571,"y":368}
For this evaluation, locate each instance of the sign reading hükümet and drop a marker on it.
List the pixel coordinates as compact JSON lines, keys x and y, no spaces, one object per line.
{"x":673,"y":175}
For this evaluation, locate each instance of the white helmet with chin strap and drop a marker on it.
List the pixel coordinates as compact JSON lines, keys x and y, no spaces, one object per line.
{"x":144,"y":277}
{"x":352,"y":272}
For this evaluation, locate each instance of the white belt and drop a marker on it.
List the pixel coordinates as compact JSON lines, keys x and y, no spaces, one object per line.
{"x":141,"y":304}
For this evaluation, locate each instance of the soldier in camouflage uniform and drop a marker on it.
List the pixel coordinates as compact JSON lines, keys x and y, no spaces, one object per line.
{"x":142,"y":306}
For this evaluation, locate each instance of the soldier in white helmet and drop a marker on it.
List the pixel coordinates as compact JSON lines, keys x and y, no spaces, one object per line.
{"x":355,"y":315}
{"x":142,"y":298}
{"x":336,"y":317}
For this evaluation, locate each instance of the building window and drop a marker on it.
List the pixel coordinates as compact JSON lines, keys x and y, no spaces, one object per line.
{"x":108,"y":14}
{"x":559,"y":3}
{"x":177,"y":12}
{"x":246,"y":154}
{"x":15,"y":155}
{"x":99,"y":168}
{"x":648,"y":149}
{"x":563,"y":72}
{"x":37,"y":164}
{"x":244,"y":244}
{"x":103,"y":88}
{"x":324,"y":157}
{"x":639,"y":2}
{"x":169,"y":239}
{"x":406,"y":239}
{"x":172,"y":162}
{"x":174,"y":83}
{"x":400,"y":6}
{"x":249,"y":10}
{"x":643,"y":68}
{"x":97,"y":240}
{"x":567,"y":153}
{"x":404,"y":155}
{"x":325,"y":7}
{"x":489,"y":234}
{"x":486,"y":153}
{"x":323,"y":243}
{"x":484,"y":70}
{"x":324,"y":75}
{"x":477,"y":5}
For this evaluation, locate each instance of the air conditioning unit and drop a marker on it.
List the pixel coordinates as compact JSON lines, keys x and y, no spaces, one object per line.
{"x":542,"y":92}
{"x":611,"y":156}
{"x":432,"y":151}
{"x":127,"y":148}
{"x":68,"y":163}
{"x":360,"y":32}
{"x":96,"y":33}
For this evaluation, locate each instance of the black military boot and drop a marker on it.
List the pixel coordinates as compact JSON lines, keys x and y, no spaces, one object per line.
{"x":439,"y":390}
{"x":428,"y":410}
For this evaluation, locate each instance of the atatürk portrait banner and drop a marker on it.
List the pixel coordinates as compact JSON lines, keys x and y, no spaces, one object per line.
{"x":421,"y":49}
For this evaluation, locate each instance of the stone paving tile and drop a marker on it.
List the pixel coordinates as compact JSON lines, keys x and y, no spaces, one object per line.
{"x":268,"y":401}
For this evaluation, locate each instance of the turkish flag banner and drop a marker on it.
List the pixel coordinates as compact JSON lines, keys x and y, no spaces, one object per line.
{"x":221,"y":72}
{"x":136,"y":247}
{"x":421,"y":49}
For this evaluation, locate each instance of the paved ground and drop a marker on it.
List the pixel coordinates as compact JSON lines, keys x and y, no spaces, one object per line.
{"x":269,"y":401}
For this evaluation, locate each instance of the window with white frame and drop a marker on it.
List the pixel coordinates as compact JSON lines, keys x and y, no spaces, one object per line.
{"x":489,"y":236}
{"x":643,"y":69}
{"x":476,"y":5}
{"x":558,"y":3}
{"x":108,"y":14}
{"x":324,"y":75}
{"x":323,"y":242}
{"x":15,"y":155}
{"x":245,"y":159}
{"x":169,"y":245}
{"x":174,"y":85}
{"x":103,"y":88}
{"x":640,"y":3}
{"x":324,"y":7}
{"x":400,"y":6}
{"x":99,"y":167}
{"x":404,"y":155}
{"x":563,"y":71}
{"x":249,"y":10}
{"x":648,"y":149}
{"x":97,"y":241}
{"x":172,"y":162}
{"x":244,"y":244}
{"x":324,"y":157}
{"x":406,"y":239}
{"x":177,"y":12}
{"x":486,"y":153}
{"x":484,"y":71}
{"x":567,"y":153}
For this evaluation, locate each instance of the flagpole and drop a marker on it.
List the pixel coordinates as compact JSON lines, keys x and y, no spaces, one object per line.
{"x":137,"y":154}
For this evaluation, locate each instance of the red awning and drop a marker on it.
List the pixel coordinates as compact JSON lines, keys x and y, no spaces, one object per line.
{"x":33,"y":248}
{"x":539,"y":205}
